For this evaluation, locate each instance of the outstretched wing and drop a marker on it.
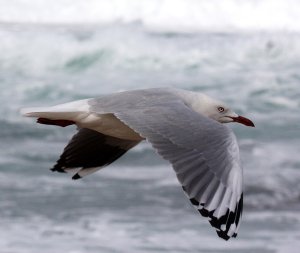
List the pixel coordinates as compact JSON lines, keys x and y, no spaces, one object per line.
{"x":89,"y":151}
{"x":203,"y":153}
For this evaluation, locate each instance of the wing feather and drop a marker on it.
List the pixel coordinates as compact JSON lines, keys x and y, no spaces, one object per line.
{"x":203,"y":153}
{"x":89,"y":151}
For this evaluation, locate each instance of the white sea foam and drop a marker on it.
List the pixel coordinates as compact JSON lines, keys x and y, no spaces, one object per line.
{"x":129,"y":231}
{"x":168,"y":15}
{"x":50,"y":63}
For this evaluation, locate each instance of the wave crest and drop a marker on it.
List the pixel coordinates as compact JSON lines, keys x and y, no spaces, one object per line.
{"x":168,"y":15}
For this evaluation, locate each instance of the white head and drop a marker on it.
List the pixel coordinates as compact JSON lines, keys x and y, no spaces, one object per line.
{"x":217,"y":110}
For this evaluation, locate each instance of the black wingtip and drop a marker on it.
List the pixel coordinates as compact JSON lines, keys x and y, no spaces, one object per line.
{"x":205,"y":213}
{"x":194,"y":202}
{"x":223,"y":235}
{"x":76,"y":176}
{"x":228,"y":219}
{"x":60,"y":170}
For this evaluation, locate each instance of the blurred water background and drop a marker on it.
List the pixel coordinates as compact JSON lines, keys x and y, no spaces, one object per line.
{"x":246,"y":53}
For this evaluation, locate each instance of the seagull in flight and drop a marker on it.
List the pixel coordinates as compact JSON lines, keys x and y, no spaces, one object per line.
{"x":184,"y":127}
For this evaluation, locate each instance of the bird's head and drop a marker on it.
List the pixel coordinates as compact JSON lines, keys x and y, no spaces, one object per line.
{"x":220,"y":112}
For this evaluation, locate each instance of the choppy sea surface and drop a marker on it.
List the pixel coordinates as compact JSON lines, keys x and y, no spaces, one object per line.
{"x":136,"y":204}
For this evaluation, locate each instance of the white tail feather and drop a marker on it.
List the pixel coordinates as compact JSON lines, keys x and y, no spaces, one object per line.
{"x":62,"y":111}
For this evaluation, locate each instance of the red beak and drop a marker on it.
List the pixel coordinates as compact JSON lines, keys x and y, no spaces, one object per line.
{"x":243,"y":120}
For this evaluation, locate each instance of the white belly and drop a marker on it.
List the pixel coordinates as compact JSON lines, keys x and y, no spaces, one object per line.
{"x":108,"y":124}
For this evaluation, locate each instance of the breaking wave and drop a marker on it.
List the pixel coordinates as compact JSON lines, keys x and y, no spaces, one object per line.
{"x":168,"y":15}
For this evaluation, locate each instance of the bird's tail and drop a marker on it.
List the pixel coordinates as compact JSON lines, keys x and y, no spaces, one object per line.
{"x":62,"y":115}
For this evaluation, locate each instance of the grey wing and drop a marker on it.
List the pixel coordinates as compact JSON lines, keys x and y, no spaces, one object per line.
{"x":204,"y":155}
{"x":88,"y":151}
{"x":133,"y":99}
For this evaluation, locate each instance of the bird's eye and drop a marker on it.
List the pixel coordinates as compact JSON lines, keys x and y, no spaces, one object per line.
{"x":221,"y":109}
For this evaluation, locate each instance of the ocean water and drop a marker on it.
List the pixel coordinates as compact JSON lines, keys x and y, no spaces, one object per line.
{"x":246,"y":53}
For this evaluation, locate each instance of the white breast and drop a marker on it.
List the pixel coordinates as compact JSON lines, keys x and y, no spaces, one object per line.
{"x":108,"y":124}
